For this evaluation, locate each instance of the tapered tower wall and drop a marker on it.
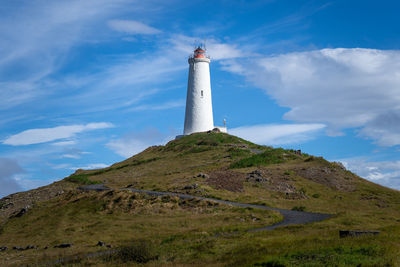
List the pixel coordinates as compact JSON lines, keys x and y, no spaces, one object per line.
{"x":198,"y":115}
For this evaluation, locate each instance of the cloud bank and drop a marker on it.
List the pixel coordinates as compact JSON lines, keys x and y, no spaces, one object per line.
{"x":8,"y":169}
{"x":277,"y":134}
{"x":383,"y":172}
{"x":341,"y":88}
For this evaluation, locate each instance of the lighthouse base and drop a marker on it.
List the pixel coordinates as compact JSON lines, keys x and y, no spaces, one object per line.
{"x":221,"y":129}
{"x":217,"y":129}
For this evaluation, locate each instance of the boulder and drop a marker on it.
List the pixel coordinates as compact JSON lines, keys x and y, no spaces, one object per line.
{"x":101,"y":244}
{"x":203,"y":175}
{"x":256,"y":176}
{"x":21,"y":212}
{"x":346,"y":233}
{"x":3,"y":248}
{"x":189,"y":187}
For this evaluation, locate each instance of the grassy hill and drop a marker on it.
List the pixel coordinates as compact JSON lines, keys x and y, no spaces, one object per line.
{"x":169,"y":231}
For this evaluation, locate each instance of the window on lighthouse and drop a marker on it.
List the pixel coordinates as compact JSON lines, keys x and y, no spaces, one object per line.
{"x":202,"y":93}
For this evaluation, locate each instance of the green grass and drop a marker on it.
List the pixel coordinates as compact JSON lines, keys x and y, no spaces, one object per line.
{"x":363,"y":255}
{"x":201,"y":234}
{"x":271,"y":156}
{"x":122,"y":218}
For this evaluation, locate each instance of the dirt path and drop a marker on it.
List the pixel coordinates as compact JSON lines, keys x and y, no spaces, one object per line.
{"x":290,"y":217}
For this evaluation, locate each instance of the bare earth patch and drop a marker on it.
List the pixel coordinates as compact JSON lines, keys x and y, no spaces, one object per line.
{"x":228,"y":180}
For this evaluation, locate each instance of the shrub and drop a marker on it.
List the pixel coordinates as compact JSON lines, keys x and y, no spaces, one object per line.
{"x":316,"y":195}
{"x":271,"y":263}
{"x":299,"y":208}
{"x":81,"y":179}
{"x":140,"y":251}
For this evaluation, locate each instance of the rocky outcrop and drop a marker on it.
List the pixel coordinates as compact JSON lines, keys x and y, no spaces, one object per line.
{"x":16,"y":205}
{"x":346,"y":233}
{"x":64,"y":245}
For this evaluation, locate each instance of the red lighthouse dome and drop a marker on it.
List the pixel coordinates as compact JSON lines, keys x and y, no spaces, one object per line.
{"x":199,"y":53}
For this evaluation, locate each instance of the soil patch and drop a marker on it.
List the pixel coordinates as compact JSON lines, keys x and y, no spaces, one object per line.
{"x":228,"y":180}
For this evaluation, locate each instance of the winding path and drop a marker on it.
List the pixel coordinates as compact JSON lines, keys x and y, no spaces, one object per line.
{"x":290,"y":217}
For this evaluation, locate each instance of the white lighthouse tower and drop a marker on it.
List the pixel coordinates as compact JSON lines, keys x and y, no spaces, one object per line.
{"x":199,"y":114}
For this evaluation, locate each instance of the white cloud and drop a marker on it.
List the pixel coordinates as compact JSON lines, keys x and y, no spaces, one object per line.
{"x":133,"y":143}
{"x":36,"y":136}
{"x":132,"y":27}
{"x":91,"y":166}
{"x":278,"y":134}
{"x":71,"y":156}
{"x":386,"y":173}
{"x":342,"y":88}
{"x":64,"y":143}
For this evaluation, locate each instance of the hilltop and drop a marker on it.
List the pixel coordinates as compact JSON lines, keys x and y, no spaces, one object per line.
{"x":172,"y":231}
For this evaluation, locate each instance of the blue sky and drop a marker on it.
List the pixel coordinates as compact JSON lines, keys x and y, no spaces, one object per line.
{"x":84,"y":84}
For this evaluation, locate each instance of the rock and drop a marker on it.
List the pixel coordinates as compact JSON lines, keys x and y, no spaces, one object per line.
{"x":5,"y":206}
{"x":18,"y":248}
{"x":215,"y":130}
{"x":340,"y":165}
{"x":256,"y":176}
{"x":30,"y":247}
{"x":46,"y":247}
{"x":345,"y":233}
{"x":21,"y":212}
{"x":101,"y":244}
{"x":203,"y":175}
{"x":108,"y":246}
{"x":3,"y":248}
{"x":189,"y":187}
{"x":65,"y":245}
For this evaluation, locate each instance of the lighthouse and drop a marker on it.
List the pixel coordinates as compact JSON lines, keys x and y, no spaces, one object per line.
{"x":199,"y":113}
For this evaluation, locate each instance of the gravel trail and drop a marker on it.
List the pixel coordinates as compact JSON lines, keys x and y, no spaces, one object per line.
{"x":290,"y":217}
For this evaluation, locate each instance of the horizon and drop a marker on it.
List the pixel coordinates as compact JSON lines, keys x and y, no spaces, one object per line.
{"x":88,"y":84}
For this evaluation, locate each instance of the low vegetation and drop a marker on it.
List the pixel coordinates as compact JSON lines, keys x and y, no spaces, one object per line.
{"x":152,"y":231}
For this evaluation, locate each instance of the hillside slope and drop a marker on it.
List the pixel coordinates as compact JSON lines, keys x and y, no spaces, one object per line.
{"x":173,"y":231}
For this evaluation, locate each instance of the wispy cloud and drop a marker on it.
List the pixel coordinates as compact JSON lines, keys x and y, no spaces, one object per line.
{"x":135,"y":142}
{"x":36,"y":136}
{"x":37,"y":39}
{"x":218,"y":50}
{"x":132,"y":27}
{"x":161,"y":106}
{"x":278,"y":134}
{"x":64,"y":143}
